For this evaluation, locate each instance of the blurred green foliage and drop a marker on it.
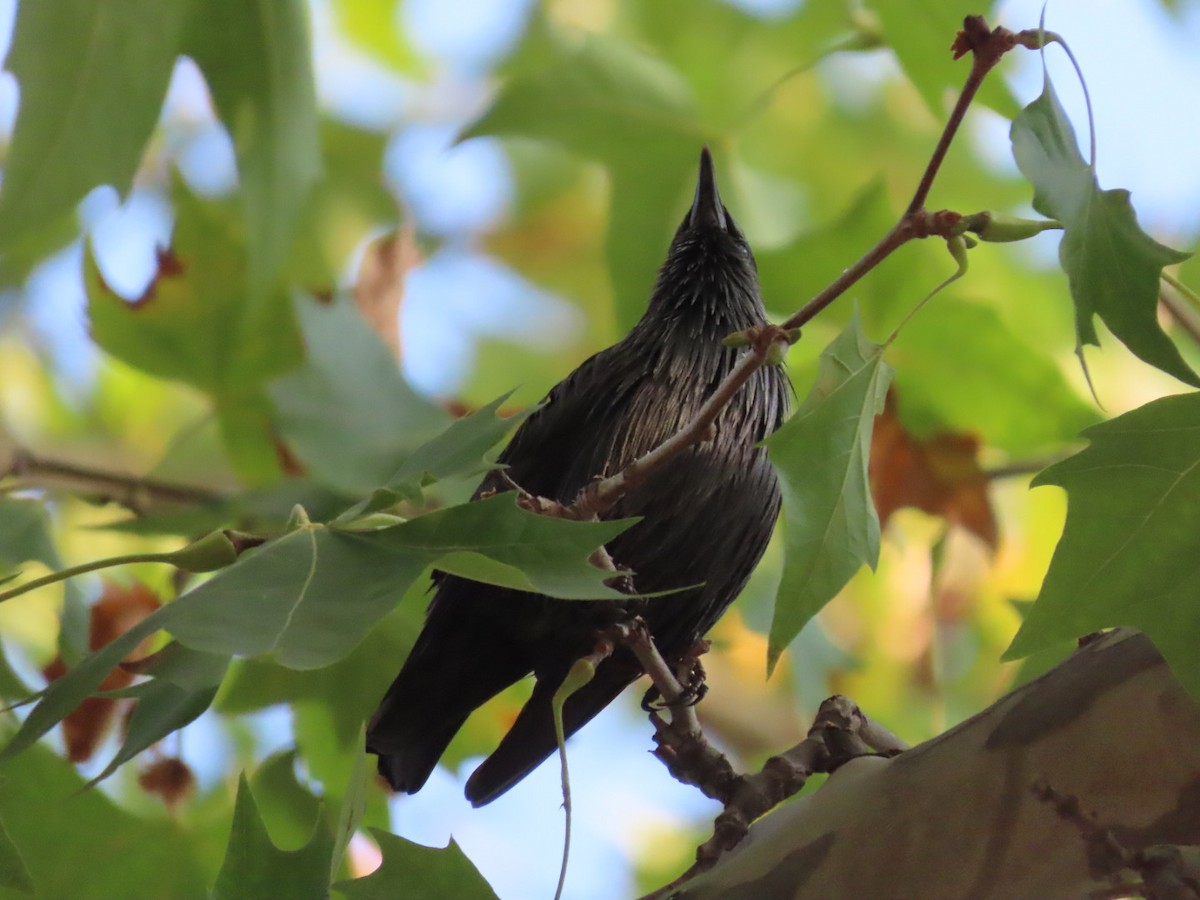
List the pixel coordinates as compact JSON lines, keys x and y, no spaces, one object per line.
{"x":236,"y":373}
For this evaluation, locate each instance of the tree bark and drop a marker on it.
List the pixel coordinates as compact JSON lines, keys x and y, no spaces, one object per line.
{"x":1068,"y":787}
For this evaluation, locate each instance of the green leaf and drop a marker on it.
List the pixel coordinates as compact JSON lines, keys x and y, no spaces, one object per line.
{"x":256,"y":869}
{"x":921,"y":35}
{"x":949,"y":357}
{"x":353,"y":806}
{"x":83,"y":120}
{"x":14,"y":874}
{"x":830,"y":527}
{"x":196,"y":323}
{"x":256,"y":58}
{"x":460,"y":449}
{"x":605,"y":100}
{"x":541,"y":553}
{"x":288,"y":810}
{"x":348,"y":413}
{"x":1129,"y":547}
{"x":291,"y":598}
{"x":418,"y":873}
{"x":25,"y":534}
{"x":373,"y":26}
{"x":1112,"y":266}
{"x":186,"y":668}
{"x":343,"y":209}
{"x":81,"y":845}
{"x":307,"y":598}
{"x":162,"y":707}
{"x":349,"y":688}
{"x":64,"y":694}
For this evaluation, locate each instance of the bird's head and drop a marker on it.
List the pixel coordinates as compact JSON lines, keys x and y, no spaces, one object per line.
{"x":709,"y":270}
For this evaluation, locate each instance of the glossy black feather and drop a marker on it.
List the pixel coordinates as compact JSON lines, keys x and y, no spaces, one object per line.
{"x":707,"y":516}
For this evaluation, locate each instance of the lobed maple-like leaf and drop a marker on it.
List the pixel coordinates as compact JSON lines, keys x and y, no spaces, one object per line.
{"x":1113,"y":267}
{"x":1131,"y":544}
{"x":821,"y":454}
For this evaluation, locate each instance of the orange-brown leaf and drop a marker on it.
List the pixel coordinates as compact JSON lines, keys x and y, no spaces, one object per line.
{"x":939,"y":475}
{"x":170,"y":778}
{"x":119,"y":608}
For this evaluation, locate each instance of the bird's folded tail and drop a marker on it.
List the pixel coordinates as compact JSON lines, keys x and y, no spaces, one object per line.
{"x":442,"y":682}
{"x":531,"y":738}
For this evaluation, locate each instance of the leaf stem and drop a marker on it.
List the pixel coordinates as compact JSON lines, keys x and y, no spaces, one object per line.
{"x":1051,"y":37}
{"x":83,"y":569}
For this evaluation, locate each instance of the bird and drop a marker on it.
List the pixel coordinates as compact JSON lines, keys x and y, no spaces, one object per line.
{"x":705,"y":521}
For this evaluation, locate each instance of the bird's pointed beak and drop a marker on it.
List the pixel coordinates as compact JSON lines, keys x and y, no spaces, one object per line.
{"x":707,"y":208}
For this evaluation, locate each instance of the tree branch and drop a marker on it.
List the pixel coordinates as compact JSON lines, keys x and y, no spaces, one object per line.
{"x":970,"y":814}
{"x":136,"y":494}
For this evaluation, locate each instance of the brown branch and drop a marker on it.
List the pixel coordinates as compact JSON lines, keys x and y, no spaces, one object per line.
{"x":987,"y":47}
{"x":136,"y":494}
{"x":840,"y":732}
{"x":1182,"y":314}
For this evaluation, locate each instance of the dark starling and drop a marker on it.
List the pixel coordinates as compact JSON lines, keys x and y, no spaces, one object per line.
{"x":706,"y":517}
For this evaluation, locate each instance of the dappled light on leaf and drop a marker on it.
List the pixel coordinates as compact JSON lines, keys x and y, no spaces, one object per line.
{"x":1128,"y":551}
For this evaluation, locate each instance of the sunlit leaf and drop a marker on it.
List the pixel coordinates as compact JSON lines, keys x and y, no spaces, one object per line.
{"x":821,"y":454}
{"x":83,"y":121}
{"x":418,"y":873}
{"x":343,"y":208}
{"x":1129,"y":546}
{"x":1113,"y":267}
{"x":195,"y":322}
{"x":373,"y":25}
{"x":955,"y":353}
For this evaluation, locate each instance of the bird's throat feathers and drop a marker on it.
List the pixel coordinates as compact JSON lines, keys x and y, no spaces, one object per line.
{"x":709,"y":285}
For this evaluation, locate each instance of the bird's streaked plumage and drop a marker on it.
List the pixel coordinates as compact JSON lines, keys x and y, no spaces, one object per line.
{"x":706,"y":517}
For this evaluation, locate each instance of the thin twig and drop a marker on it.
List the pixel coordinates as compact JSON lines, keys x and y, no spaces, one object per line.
{"x":134,"y":493}
{"x":1181,"y":312}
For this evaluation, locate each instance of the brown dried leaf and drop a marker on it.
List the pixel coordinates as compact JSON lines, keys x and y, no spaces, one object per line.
{"x":379,"y":291}
{"x":170,"y":778}
{"x":939,"y":475}
{"x":119,"y":608}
